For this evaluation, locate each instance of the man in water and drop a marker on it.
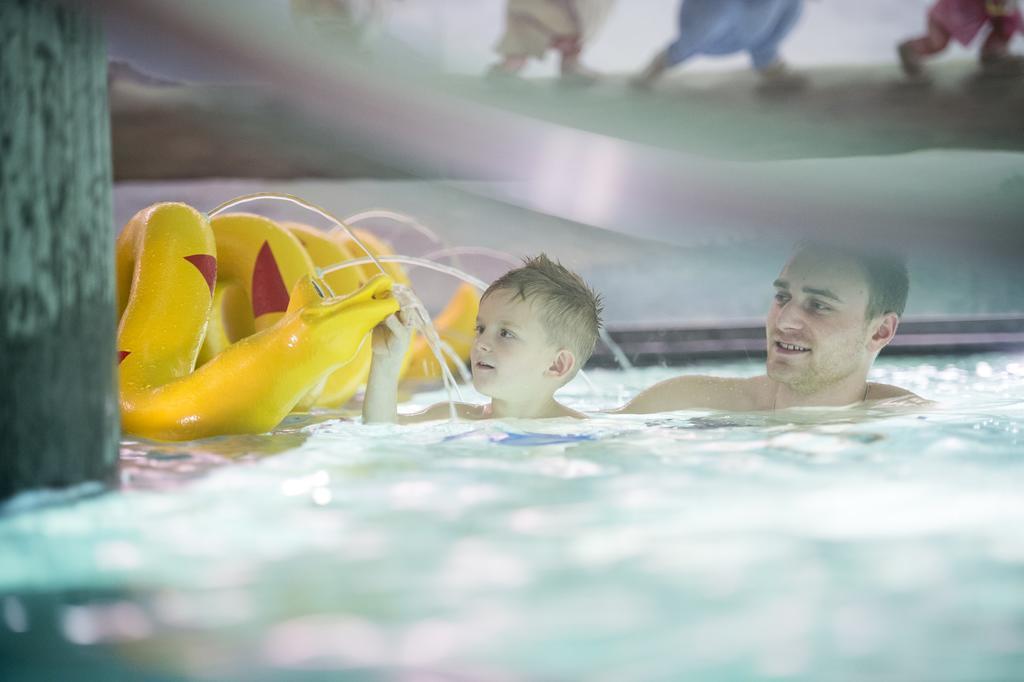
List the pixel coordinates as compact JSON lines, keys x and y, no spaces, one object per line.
{"x":834,"y":310}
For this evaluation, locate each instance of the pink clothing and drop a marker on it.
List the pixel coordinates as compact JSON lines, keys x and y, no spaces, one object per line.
{"x":964,"y":19}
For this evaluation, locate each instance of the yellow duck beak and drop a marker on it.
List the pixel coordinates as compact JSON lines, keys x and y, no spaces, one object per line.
{"x":312,"y":301}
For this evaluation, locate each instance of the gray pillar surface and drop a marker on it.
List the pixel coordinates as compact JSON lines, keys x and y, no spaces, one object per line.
{"x":58,"y":397}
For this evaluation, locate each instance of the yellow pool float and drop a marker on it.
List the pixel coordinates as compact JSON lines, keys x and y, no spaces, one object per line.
{"x":167,"y":275}
{"x":258,"y":264}
{"x":226,"y":326}
{"x":326,"y":250}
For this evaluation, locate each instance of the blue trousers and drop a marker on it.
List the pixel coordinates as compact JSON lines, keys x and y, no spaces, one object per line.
{"x":721,"y":27}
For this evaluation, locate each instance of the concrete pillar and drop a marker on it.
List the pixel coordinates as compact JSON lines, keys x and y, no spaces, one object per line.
{"x":58,"y":397}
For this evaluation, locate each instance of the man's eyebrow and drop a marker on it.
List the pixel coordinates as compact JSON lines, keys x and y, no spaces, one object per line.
{"x":824,"y":293}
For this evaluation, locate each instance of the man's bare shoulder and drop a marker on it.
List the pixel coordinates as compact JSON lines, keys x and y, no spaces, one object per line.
{"x":893,"y":394}
{"x":698,"y":392}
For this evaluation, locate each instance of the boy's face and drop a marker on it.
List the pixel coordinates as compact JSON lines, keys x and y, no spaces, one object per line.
{"x":816,"y":327}
{"x":512,"y":356}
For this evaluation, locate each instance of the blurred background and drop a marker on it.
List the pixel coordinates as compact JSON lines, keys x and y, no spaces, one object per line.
{"x":726,"y":546}
{"x":459,"y":36}
{"x":679,"y":204}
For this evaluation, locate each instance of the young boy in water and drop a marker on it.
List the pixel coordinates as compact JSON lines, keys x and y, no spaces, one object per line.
{"x":536,"y":327}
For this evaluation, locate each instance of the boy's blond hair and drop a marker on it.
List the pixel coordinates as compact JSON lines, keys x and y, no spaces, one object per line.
{"x":570,"y":311}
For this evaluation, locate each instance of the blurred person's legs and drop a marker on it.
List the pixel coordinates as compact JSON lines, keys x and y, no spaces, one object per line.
{"x":765,"y":55}
{"x":588,"y":16}
{"x":912,"y":52}
{"x":510,"y":65}
{"x":653,"y":71}
{"x":962,"y":20}
{"x":723,"y":27}
{"x":524,"y":37}
{"x":996,"y":58}
{"x":701,"y":24}
{"x":534,"y":26}
{"x":345,"y":20}
{"x":570,"y":68}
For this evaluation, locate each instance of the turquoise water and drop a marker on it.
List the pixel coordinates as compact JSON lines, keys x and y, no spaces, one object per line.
{"x":829,"y":545}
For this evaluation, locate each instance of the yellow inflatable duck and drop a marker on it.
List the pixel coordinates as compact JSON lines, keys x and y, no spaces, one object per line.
{"x":225,"y":326}
{"x":327,"y":249}
{"x":167,"y":273}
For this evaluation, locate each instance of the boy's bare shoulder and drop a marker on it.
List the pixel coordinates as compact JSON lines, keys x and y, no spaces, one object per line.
{"x":571,"y":413}
{"x":698,"y":392}
{"x":441,"y":411}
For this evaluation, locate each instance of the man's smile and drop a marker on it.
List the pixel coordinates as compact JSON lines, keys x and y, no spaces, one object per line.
{"x":791,"y":348}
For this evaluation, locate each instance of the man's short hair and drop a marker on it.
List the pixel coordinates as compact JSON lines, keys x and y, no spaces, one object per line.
{"x":570,"y":311}
{"x":885,"y":271}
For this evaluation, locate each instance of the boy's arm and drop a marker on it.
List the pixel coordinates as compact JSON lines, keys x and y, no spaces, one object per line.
{"x":390,"y":343}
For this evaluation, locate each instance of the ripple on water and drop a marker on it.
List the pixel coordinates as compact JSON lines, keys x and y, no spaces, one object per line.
{"x":685,"y":544}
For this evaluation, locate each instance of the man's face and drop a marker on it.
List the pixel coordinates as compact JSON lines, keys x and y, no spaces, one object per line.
{"x":511,"y":354}
{"x":816,"y":328}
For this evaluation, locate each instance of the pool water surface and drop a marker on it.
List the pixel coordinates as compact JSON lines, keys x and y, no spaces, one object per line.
{"x":839,"y":544}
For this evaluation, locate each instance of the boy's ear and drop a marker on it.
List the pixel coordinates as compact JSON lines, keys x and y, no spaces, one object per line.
{"x":884,"y":330}
{"x":563,"y":364}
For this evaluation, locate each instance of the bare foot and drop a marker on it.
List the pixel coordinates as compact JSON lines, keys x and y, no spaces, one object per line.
{"x":575,"y":75}
{"x":645,"y":79}
{"x":1002,"y":65}
{"x":779,"y":78}
{"x":506,"y":69}
{"x":641,"y":82}
{"x":910,"y":60}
